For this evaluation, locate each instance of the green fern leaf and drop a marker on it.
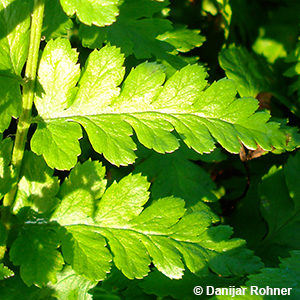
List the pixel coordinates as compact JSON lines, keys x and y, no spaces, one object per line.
{"x":162,"y":233}
{"x":202,"y":115}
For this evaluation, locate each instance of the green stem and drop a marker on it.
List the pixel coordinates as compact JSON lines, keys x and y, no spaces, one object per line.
{"x":28,"y":94}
